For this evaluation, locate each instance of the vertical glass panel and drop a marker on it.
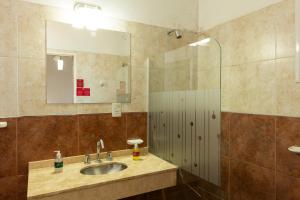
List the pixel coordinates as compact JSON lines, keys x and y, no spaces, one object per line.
{"x":184,"y":108}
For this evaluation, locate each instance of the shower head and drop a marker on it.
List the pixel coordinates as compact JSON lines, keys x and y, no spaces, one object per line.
{"x":178,"y":33}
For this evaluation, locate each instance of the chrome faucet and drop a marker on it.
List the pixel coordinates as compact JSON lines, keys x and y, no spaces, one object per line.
{"x":100,"y":144}
{"x":109,"y":156}
{"x":87,"y":159}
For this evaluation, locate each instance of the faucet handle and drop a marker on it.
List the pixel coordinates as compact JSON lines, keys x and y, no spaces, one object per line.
{"x":87,"y":159}
{"x":101,"y":143}
{"x":109,"y":156}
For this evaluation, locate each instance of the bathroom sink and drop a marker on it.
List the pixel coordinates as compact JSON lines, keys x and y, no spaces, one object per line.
{"x":107,"y":168}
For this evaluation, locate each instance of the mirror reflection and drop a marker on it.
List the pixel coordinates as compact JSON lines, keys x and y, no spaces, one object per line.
{"x":87,"y":67}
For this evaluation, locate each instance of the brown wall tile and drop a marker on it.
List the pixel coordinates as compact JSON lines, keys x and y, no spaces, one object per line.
{"x":225,"y":176}
{"x":8,"y":189}
{"x":288,"y":135}
{"x":252,"y":139}
{"x":252,"y":177}
{"x":35,"y":138}
{"x":104,"y":126}
{"x":288,"y":188}
{"x":250,"y":182}
{"x":8,"y":148}
{"x":225,"y":125}
{"x":22,"y":188}
{"x":137,"y":127}
{"x":38,"y":137}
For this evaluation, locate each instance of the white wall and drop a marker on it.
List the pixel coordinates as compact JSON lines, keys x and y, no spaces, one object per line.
{"x":166,"y":13}
{"x":214,"y":12}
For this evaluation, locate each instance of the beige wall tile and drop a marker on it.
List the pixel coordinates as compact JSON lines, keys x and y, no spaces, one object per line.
{"x":139,"y":81}
{"x":250,"y":88}
{"x":258,"y":33}
{"x":284,"y":13}
{"x":156,"y":79}
{"x":8,"y":87}
{"x":226,"y":98}
{"x":31,"y":31}
{"x":247,"y":81}
{"x":238,"y":101}
{"x":262,"y":88}
{"x":251,"y":75}
{"x":138,"y":104}
{"x":93,"y":108}
{"x":32,"y":91}
{"x":225,"y":79}
{"x":288,"y":91}
{"x":247,"y":39}
{"x":8,"y":29}
{"x":146,"y":42}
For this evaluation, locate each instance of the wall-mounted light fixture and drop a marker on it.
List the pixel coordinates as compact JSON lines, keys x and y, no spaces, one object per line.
{"x":87,"y":16}
{"x":203,"y":42}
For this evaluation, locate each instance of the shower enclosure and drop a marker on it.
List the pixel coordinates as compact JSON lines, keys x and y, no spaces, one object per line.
{"x":184,"y":108}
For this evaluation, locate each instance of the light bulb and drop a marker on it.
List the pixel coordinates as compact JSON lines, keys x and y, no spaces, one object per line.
{"x":60,"y":64}
{"x":86,"y":16}
{"x":203,"y":42}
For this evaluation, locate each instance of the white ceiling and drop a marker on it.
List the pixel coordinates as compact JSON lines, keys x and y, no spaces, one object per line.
{"x":215,"y":12}
{"x":167,"y":13}
{"x":183,"y":14}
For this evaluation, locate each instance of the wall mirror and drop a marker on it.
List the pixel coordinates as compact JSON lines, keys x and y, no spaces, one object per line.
{"x":85,"y":66}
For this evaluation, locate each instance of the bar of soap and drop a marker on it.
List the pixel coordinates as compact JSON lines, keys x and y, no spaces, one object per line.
{"x":134,"y":141}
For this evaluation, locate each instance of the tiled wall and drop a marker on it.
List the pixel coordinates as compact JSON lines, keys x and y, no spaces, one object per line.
{"x":258,"y":56}
{"x":257,"y":77}
{"x":258,"y":88}
{"x":35,"y":128}
{"x":256,"y":163}
{"x":22,"y":60}
{"x":35,"y":138}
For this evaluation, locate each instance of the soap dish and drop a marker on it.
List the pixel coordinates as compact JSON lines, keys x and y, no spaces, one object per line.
{"x":294,"y":149}
{"x":134,"y":141}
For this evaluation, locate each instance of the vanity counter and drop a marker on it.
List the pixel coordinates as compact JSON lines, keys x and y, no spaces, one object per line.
{"x":149,"y":174}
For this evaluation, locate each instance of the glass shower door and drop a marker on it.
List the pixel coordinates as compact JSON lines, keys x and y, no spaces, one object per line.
{"x":184,"y":108}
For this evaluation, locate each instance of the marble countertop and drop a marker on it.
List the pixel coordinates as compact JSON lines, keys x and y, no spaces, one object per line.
{"x":44,"y":182}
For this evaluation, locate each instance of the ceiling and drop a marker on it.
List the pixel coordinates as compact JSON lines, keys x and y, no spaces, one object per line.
{"x":181,"y":14}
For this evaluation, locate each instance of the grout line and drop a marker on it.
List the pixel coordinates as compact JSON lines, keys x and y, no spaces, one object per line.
{"x":66,"y":115}
{"x":258,"y":61}
{"x":275,"y":175}
{"x":126,"y":128}
{"x":253,"y":164}
{"x":17,"y":141}
{"x":276,"y":39}
{"x":229,"y":155}
{"x":18,"y":66}
{"x":77,"y":133}
{"x":267,"y":115}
